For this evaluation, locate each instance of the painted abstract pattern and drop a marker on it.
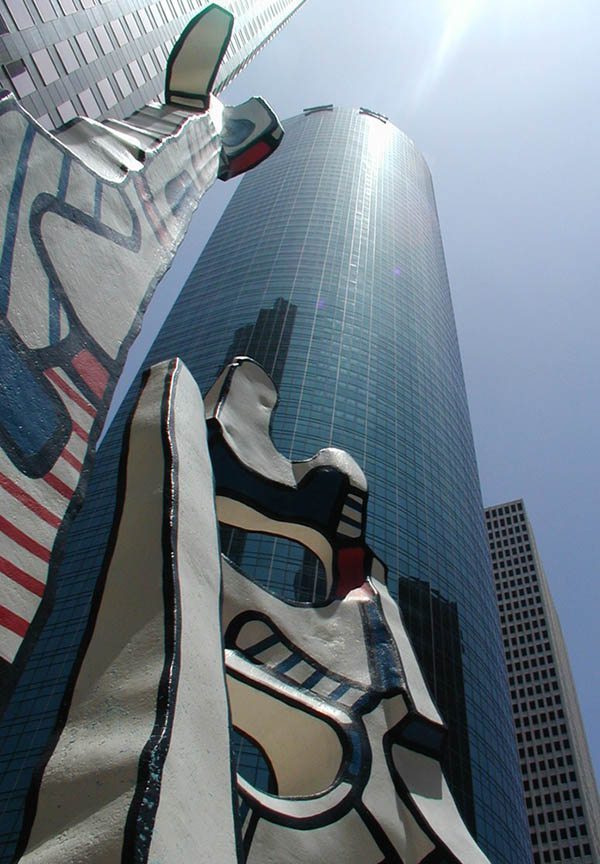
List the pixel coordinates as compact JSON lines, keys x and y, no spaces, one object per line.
{"x":82,"y":247}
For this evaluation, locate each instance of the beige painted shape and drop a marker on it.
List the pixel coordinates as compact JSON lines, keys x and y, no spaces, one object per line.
{"x":332,"y":635}
{"x":346,"y":840}
{"x":195,"y":820}
{"x":431,"y":794}
{"x":9,"y":644}
{"x":305,"y":752}
{"x":411,"y":843}
{"x":342,"y":460}
{"x":120,"y":277}
{"x":28,"y":300}
{"x":300,"y":672}
{"x":90,"y":779}
{"x":244,"y":413}
{"x":88,"y":786}
{"x":195,"y":62}
{"x":252,"y":633}
{"x":414,"y":677}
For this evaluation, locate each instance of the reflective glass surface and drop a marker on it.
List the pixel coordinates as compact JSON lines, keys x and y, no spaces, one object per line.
{"x":328,"y":266}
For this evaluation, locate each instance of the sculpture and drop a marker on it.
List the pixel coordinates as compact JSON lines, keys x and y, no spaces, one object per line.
{"x":328,"y":693}
{"x":90,"y":219}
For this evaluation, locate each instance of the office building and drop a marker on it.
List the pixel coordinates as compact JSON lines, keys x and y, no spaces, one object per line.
{"x":561,"y":794}
{"x":337,"y":236}
{"x":99,"y":58}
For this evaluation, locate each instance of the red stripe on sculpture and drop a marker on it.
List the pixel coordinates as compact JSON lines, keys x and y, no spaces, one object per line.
{"x":72,"y":460}
{"x":24,"y":540}
{"x":57,"y":483}
{"x":13,"y":622}
{"x":71,"y":393}
{"x":92,"y":372}
{"x":29,"y":501}
{"x":17,"y":575}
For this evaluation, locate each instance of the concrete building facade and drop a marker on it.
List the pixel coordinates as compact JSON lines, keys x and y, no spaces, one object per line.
{"x":107,"y":58}
{"x":560,"y":789}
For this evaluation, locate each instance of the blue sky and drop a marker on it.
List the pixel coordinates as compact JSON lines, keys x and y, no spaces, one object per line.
{"x":502,"y":97}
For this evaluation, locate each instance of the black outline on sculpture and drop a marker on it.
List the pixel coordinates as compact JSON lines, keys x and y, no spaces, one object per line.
{"x":203,"y":97}
{"x":142,"y":811}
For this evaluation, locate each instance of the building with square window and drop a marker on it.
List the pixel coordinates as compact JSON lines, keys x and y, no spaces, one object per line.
{"x":99,"y":58}
{"x":561,"y":794}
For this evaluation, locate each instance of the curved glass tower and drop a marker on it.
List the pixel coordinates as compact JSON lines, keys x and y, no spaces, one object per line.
{"x":328,"y":268}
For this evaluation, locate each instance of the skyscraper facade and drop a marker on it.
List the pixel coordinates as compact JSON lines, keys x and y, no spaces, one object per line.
{"x":99,"y":58}
{"x":336,"y":237}
{"x":561,"y":794}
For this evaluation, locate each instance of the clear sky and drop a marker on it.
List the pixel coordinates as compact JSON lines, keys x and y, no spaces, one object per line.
{"x":502,"y":97}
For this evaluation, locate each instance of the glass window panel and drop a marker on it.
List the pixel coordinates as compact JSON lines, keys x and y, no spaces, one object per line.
{"x":3,"y":27}
{"x":156,"y":14}
{"x":20,"y":78}
{"x":108,"y":94}
{"x":117,"y":29}
{"x":121,"y":79}
{"x":67,"y":55}
{"x":45,"y":9}
{"x":167,"y":12}
{"x":67,"y":6}
{"x":45,"y":65}
{"x":103,"y":39}
{"x":66,"y":111}
{"x":45,"y":121}
{"x":20,"y":14}
{"x":88,"y":100}
{"x":145,"y":19}
{"x":137,"y":73}
{"x":133,"y":25}
{"x":149,"y":64}
{"x":87,"y":49}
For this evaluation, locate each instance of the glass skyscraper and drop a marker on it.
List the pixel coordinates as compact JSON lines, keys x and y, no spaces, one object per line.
{"x":99,"y":58}
{"x":328,"y":264}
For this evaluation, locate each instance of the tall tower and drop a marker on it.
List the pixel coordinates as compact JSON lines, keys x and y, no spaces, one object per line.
{"x":64,"y":58}
{"x":561,"y":794}
{"x":340,"y":228}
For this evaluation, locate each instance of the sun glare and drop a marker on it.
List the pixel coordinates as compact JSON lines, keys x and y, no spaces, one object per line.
{"x":456,"y":19}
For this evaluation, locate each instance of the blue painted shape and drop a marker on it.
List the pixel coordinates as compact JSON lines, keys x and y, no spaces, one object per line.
{"x":313,"y":679}
{"x":12,"y":219}
{"x":53,"y":316}
{"x":261,"y":646}
{"x":424,"y":736}
{"x":287,"y":664}
{"x":33,"y":429}
{"x":383,"y":658}
{"x":339,"y":691}
{"x":53,"y":300}
{"x":98,"y":201}
{"x":63,"y":180}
